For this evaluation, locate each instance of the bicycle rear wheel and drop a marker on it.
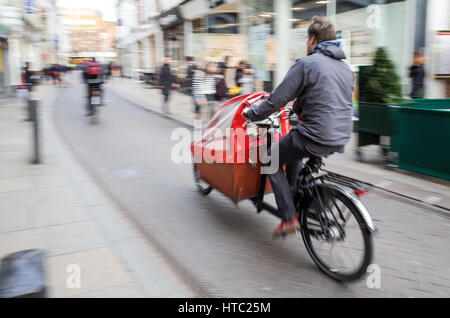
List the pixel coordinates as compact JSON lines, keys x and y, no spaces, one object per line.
{"x":344,"y":249}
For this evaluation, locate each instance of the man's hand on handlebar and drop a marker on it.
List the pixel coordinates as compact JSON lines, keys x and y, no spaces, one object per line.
{"x":244,"y":112}
{"x":270,"y":119}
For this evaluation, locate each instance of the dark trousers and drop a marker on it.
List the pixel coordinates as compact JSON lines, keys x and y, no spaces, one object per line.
{"x":291,"y":149}
{"x":165,"y":105}
{"x":291,"y":153}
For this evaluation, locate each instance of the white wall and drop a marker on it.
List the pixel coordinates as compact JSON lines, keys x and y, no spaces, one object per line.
{"x":438,"y":18}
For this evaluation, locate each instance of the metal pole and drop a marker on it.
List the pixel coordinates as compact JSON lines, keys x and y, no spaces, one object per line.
{"x":35,"y":118}
{"x":30,"y":118}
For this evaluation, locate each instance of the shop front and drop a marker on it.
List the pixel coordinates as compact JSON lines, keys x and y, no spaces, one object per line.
{"x":3,"y":54}
{"x":271,"y":35}
{"x":4,"y":33}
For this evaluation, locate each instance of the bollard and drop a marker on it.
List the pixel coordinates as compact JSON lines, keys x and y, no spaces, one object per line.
{"x":29,"y":100}
{"x":30,"y":116}
{"x":35,"y":119}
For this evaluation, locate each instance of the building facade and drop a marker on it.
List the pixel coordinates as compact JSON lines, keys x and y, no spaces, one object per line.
{"x":30,"y":31}
{"x":89,"y":34}
{"x":271,"y":34}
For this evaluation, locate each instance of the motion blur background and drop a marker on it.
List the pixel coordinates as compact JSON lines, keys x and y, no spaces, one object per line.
{"x":107,"y":198}
{"x":270,"y":35}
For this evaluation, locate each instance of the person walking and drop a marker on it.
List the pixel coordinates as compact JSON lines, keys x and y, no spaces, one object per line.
{"x":210,"y":87}
{"x":246,"y":82}
{"x":239,"y":73}
{"x":189,"y":81}
{"x":166,"y":83}
{"x":204,"y":90}
{"x":198,"y":84}
{"x":417,"y":73}
{"x":221,"y":86}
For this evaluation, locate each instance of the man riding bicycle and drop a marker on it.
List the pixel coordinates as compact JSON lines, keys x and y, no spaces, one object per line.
{"x":93,"y":77}
{"x":322,"y":85}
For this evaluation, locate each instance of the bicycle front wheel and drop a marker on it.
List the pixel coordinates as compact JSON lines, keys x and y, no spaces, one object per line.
{"x":336,"y":237}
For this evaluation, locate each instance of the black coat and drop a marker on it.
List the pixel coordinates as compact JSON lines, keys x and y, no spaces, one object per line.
{"x":165,"y":79}
{"x":417,"y":73}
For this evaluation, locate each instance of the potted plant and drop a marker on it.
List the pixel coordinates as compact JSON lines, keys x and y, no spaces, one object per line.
{"x":379,"y":91}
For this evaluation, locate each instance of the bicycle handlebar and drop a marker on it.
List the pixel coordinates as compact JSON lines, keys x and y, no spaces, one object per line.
{"x":271,"y":118}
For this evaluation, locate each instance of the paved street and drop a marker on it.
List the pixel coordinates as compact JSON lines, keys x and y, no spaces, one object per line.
{"x":58,"y":208}
{"x":228,"y":251}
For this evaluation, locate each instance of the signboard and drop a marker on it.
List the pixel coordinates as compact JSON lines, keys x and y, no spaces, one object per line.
{"x":442,"y":54}
{"x":258,"y":37}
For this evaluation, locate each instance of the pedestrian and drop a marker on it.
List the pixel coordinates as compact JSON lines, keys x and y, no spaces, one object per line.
{"x":204,"y":90}
{"x":239,"y":72}
{"x":247,"y":82}
{"x":417,"y":73}
{"x":54,"y":73}
{"x":166,"y":83}
{"x":221,"y":86}
{"x":27,"y":77}
{"x":210,"y":87}
{"x":223,"y":66}
{"x":109,"y":70}
{"x":189,"y":81}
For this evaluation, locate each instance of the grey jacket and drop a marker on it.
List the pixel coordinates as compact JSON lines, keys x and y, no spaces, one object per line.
{"x":323,"y":86}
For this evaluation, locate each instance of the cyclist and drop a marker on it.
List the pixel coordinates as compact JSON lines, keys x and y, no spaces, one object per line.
{"x":322,"y":85}
{"x":93,"y":77}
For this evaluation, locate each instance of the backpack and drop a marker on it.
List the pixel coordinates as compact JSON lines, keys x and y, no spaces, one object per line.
{"x":94,"y":68}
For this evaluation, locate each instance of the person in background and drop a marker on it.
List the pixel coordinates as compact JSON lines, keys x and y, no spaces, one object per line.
{"x":221,"y":86}
{"x":417,"y":73}
{"x":204,"y":89}
{"x":247,"y":82}
{"x":239,"y":72}
{"x":166,"y":83}
{"x":198,"y":95}
{"x":54,"y":73}
{"x":109,"y":70}
{"x":223,"y":66}
{"x":189,"y":80}
{"x":27,"y":77}
{"x":210,"y":87}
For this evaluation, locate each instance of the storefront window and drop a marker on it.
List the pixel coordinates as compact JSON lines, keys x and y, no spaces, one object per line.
{"x":223,"y":23}
{"x":362,"y":26}
{"x":261,"y":41}
{"x":302,"y":11}
{"x":2,"y":69}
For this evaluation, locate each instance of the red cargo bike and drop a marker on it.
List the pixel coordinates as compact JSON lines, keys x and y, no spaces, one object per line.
{"x":230,"y":156}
